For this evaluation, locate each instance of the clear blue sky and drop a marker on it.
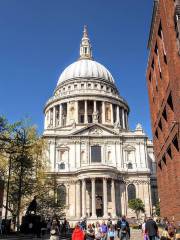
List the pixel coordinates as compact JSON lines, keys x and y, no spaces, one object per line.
{"x":39,"y":38}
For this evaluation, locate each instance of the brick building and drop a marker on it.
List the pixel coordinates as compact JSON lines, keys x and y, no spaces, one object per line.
{"x":163,"y":81}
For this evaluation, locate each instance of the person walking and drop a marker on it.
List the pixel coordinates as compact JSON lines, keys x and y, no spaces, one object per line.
{"x":151,"y":229}
{"x":90,"y":233}
{"x":124,"y":229}
{"x":54,"y":233}
{"x":104,"y":230}
{"x":111,"y":233}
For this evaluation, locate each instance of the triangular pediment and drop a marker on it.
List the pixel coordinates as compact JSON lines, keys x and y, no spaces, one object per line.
{"x":95,"y":130}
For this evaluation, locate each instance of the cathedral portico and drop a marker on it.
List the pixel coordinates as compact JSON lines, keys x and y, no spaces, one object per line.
{"x":100,"y":163}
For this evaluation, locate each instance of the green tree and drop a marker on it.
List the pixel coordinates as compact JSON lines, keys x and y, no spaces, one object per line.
{"x":24,"y":165}
{"x":137,"y":206}
{"x":157,"y":209}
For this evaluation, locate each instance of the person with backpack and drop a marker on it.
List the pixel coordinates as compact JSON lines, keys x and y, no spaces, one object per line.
{"x":124,"y":229}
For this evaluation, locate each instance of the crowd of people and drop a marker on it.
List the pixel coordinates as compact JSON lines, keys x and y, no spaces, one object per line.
{"x":96,"y":231}
{"x":167,"y":231}
{"x":119,"y":230}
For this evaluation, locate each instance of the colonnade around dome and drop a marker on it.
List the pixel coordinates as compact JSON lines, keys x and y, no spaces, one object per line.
{"x":85,"y":112}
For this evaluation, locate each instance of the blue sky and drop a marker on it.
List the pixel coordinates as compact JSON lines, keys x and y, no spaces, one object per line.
{"x":39,"y":38}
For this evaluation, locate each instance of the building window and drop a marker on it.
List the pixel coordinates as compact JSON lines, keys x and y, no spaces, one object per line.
{"x":170,"y":102}
{"x":61,"y":166}
{"x":164,"y":114}
{"x":152,"y":64}
{"x":81,"y":118}
{"x":175,"y":143}
{"x":160,"y":124}
{"x":75,"y":86}
{"x":150,"y":76}
{"x":82,"y":85}
{"x":131,"y":192}
{"x":160,"y":165}
{"x":169,"y":151}
{"x":130,"y":166}
{"x":90,"y":119}
{"x":69,"y":87}
{"x":156,"y":133}
{"x":89,"y":85}
{"x":164,"y":159}
{"x":102,"y":86}
{"x":61,"y":195}
{"x":95,"y":85}
{"x":96,"y":154}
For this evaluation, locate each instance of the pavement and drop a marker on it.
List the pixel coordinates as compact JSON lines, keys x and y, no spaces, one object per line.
{"x":135,"y":235}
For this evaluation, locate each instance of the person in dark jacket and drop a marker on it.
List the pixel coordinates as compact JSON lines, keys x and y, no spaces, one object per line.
{"x":124,"y":228}
{"x":151,"y":229}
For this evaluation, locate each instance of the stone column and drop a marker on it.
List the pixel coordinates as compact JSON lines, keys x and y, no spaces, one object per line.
{"x":123,"y":123}
{"x":78,"y":201}
{"x":112,"y":117}
{"x":105,"y":202}
{"x":95,"y":106}
{"x":93,"y":192}
{"x":113,"y":198}
{"x":83,"y":198}
{"x":117,"y":114}
{"x":77,"y":112}
{"x":85,"y":112}
{"x":60,"y":115}
{"x":103,"y":113}
{"x":54,"y":116}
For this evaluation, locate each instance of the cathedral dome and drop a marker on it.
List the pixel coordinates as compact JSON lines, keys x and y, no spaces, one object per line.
{"x":85,"y":68}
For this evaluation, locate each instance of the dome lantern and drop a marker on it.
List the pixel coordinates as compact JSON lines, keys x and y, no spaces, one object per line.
{"x":85,"y":46}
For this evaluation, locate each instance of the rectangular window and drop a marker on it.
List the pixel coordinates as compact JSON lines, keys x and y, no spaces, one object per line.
{"x":96,"y":154}
{"x":160,"y":125}
{"x":164,"y":114}
{"x":150,"y":76}
{"x":152,"y":64}
{"x":89,"y":118}
{"x":82,"y":119}
{"x":169,"y":151}
{"x":170,"y":102}
{"x":175,"y":143}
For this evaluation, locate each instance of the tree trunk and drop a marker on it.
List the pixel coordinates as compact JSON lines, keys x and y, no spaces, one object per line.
{"x":7,"y":190}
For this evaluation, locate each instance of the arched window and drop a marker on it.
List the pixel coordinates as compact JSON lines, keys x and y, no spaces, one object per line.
{"x":131,"y":192}
{"x":61,"y":166}
{"x":130,"y":166}
{"x":61,"y":195}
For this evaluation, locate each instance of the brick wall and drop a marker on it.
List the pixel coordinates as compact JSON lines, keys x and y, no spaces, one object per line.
{"x":163,"y":81}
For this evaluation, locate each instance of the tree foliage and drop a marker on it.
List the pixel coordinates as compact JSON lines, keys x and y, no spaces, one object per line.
{"x":137,"y":206}
{"x":24,"y":167}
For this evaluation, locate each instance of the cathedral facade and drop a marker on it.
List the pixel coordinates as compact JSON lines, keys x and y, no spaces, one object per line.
{"x":98,"y":161}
